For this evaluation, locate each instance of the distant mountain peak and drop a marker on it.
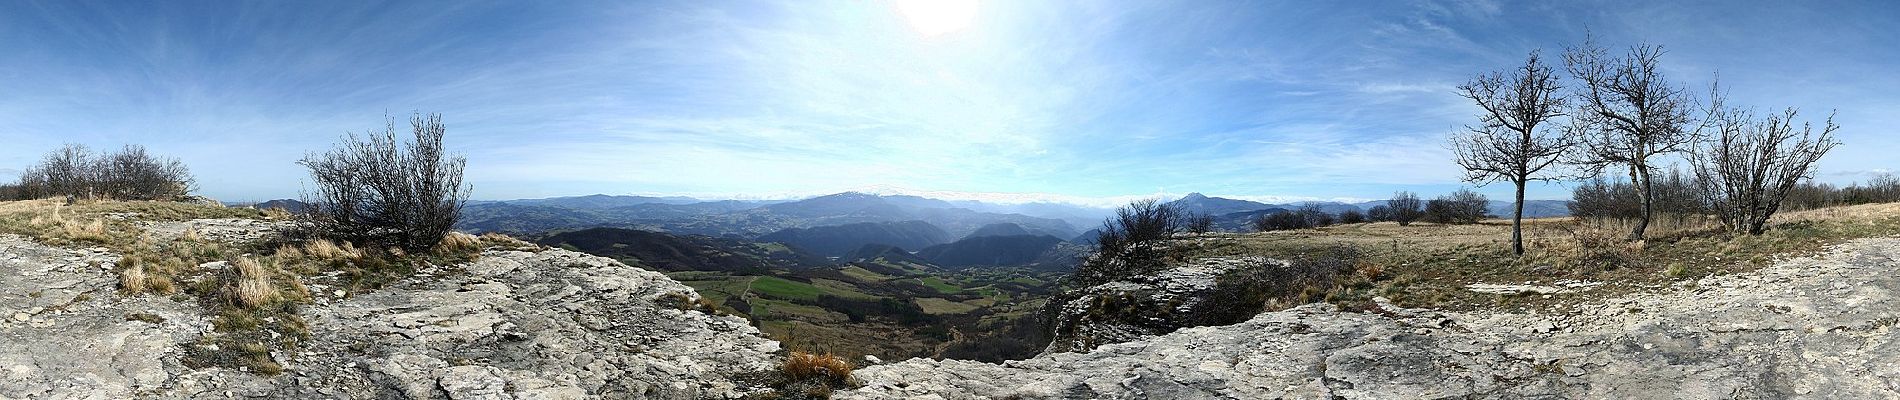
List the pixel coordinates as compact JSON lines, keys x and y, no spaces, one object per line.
{"x":1193,"y":196}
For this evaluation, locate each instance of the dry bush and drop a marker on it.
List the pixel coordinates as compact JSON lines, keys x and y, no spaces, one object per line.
{"x":378,"y":190}
{"x":1130,"y":242}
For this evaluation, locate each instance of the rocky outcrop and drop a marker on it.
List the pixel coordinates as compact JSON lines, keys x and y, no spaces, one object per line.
{"x":65,"y":333}
{"x":553,"y":324}
{"x":1142,"y":306}
{"x":545,"y":325}
{"x":1818,"y":327}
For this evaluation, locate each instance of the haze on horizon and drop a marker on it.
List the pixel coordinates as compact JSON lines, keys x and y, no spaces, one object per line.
{"x":1083,"y":102}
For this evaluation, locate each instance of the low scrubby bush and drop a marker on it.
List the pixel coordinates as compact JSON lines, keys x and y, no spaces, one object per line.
{"x":1130,"y":243}
{"x":377,"y":191}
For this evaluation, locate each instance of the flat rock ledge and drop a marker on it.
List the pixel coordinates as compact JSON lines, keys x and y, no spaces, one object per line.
{"x":554,"y":324}
{"x":1816,"y":327}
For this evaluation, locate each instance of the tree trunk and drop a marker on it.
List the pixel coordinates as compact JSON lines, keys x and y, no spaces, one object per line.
{"x":1639,"y":175}
{"x":1517,"y":221}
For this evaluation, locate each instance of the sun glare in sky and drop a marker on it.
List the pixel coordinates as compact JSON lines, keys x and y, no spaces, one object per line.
{"x":934,"y":18}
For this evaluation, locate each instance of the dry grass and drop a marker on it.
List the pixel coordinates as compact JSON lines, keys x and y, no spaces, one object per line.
{"x":816,"y":374}
{"x":458,"y":243}
{"x":323,"y":249}
{"x":493,"y":239}
{"x":248,"y":284}
{"x":1428,"y":265}
{"x":132,"y":280}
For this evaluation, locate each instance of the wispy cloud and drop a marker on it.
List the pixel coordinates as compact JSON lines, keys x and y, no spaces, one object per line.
{"x":1078,"y":102}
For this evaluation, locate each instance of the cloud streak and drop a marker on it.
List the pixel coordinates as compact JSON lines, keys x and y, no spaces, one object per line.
{"x":1082,"y":102}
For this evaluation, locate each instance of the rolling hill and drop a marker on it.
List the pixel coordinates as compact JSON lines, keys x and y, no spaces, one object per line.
{"x":990,"y":251}
{"x":668,"y":252}
{"x":840,"y":240}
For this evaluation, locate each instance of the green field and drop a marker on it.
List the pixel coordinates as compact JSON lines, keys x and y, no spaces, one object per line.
{"x":786,"y":289}
{"x":864,"y":275}
{"x":779,"y":310}
{"x":841,"y":289}
{"x":941,"y":285}
{"x":936,"y":306}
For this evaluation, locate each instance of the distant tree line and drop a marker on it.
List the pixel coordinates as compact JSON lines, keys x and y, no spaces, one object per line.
{"x":1680,"y":198}
{"x":1882,"y":188}
{"x":74,"y":171}
{"x":1460,"y":207}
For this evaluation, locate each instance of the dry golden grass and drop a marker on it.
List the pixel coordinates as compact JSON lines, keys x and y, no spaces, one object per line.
{"x":509,"y":242}
{"x":132,"y":280}
{"x":801,"y":366}
{"x":458,"y":243}
{"x":248,"y":284}
{"x":1429,"y":264}
{"x":329,"y":250}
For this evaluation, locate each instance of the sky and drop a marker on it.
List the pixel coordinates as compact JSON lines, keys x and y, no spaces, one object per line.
{"x":1088,"y":102}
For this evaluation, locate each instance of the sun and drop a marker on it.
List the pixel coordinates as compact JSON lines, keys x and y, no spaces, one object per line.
{"x":933,"y":18}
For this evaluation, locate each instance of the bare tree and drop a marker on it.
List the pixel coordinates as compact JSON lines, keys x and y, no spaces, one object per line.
{"x":1751,"y":164}
{"x":1511,"y":143}
{"x":1627,"y":114}
{"x":1406,"y":207}
{"x":378,"y":190}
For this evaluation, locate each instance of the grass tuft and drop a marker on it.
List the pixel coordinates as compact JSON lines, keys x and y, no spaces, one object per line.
{"x":817,"y":372}
{"x":248,"y":284}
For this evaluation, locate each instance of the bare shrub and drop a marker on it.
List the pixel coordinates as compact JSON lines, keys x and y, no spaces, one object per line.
{"x":1281,"y":221}
{"x":1406,"y":207}
{"x":130,"y":174}
{"x":1202,"y":223}
{"x":1129,"y":242}
{"x":1751,"y":164}
{"x":1379,"y":213}
{"x":1352,"y":217}
{"x":1460,"y":207}
{"x":376,"y":190}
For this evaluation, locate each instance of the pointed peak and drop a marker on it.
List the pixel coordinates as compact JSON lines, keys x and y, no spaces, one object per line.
{"x":1194,"y":196}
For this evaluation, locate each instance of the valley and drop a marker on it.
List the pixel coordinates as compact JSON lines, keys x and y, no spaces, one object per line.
{"x":856,"y":274}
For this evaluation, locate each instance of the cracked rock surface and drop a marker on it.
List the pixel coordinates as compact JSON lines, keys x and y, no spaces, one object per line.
{"x":553,"y":324}
{"x":1817,"y":327}
{"x":65,"y":332}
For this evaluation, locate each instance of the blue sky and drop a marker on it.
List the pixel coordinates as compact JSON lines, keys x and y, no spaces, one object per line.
{"x":1085,"y":101}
